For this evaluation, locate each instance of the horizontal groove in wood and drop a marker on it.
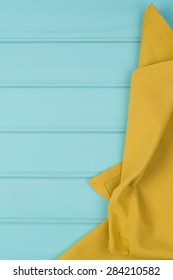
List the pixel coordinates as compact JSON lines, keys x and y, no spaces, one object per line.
{"x":46,"y":175}
{"x":62,"y":129}
{"x":64,"y":221}
{"x":66,"y":39}
{"x":57,"y":84}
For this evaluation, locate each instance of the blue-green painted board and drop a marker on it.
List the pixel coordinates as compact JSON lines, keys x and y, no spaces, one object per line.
{"x":65,"y":108}
{"x":39,"y":241}
{"x":48,"y":63}
{"x":59,"y":152}
{"x":59,"y":199}
{"x":76,"y":18}
{"x":65,"y":74}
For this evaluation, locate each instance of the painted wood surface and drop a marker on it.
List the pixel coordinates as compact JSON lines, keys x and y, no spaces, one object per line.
{"x":65,"y":77}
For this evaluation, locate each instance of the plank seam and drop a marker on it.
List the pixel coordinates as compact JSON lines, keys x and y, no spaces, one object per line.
{"x":45,"y":175}
{"x":59,"y":84}
{"x":62,"y":129}
{"x":64,"y":221}
{"x":67,"y":39}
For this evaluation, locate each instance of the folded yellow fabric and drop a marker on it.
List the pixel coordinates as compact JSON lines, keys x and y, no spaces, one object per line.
{"x":140,"y":188}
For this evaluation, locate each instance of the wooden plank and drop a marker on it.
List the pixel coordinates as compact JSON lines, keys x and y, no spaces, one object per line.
{"x":60,"y":201}
{"x":49,"y":155}
{"x":92,"y":19}
{"x":39,"y":242}
{"x":63,"y":109}
{"x":69,"y":64}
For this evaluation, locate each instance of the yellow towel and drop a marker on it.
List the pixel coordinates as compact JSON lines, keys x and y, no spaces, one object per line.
{"x":140,"y":189}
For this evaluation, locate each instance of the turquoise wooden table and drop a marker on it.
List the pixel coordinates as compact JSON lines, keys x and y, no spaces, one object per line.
{"x":65,"y":70}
